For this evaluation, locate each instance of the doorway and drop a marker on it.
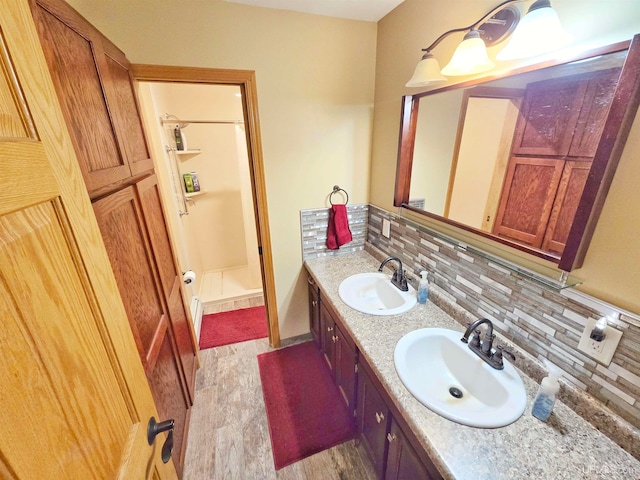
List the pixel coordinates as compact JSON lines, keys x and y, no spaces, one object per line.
{"x":221,"y":232}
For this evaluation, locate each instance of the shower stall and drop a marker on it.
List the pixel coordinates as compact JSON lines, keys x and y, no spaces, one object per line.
{"x":214,"y":227}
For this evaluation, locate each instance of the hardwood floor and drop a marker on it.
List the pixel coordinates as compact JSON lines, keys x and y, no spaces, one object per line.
{"x":229,"y":433}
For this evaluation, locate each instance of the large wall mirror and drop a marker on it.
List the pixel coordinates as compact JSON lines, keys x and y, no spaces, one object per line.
{"x":527,"y":158}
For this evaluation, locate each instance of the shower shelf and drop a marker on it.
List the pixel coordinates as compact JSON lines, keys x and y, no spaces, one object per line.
{"x":194,"y":194}
{"x":189,"y":152}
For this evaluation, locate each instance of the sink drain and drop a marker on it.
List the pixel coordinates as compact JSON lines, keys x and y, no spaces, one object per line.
{"x":455,"y":392}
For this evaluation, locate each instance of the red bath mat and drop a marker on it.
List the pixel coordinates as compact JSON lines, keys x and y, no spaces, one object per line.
{"x":232,"y":327}
{"x":305,"y":409}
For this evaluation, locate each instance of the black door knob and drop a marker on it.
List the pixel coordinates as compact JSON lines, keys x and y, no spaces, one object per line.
{"x":154,"y":428}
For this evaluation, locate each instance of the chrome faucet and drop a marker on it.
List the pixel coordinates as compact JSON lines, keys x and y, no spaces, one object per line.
{"x":484,"y":348}
{"x":398,"y":278}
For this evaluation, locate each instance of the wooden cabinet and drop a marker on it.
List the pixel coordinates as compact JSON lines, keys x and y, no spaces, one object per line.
{"x":555,"y":140}
{"x":314,"y":312}
{"x":96,"y":91}
{"x":393,"y":452}
{"x":94,"y":87}
{"x":125,"y":218}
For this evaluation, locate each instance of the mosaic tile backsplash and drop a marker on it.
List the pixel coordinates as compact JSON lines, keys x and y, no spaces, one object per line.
{"x":541,"y":320}
{"x":313,"y":226}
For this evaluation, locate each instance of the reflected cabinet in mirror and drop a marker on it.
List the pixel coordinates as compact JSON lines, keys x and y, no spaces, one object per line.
{"x":527,"y":158}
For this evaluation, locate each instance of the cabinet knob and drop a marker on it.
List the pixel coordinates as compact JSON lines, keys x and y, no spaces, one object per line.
{"x":334,"y":338}
{"x":329,"y":329}
{"x":379,"y":417}
{"x":311,"y":281}
{"x":391,"y":437}
{"x":314,"y":303}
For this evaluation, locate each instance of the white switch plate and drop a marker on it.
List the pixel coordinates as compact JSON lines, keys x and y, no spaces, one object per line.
{"x":386,"y":228}
{"x":601,"y":351}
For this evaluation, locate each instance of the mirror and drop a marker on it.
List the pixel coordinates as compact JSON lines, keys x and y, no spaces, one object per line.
{"x":525,"y":159}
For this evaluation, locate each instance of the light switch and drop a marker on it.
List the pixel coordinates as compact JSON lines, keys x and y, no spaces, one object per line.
{"x":386,"y":228}
{"x":601,"y":351}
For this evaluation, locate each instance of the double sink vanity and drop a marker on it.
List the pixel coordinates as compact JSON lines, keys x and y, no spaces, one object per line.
{"x":428,"y":406}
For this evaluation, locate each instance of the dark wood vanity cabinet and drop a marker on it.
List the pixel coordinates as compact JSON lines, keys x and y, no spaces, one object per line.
{"x":390,"y":449}
{"x":96,"y":92}
{"x":394,"y":453}
{"x":554,"y":144}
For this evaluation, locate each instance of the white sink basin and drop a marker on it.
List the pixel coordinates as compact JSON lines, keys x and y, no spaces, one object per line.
{"x":432,"y":361}
{"x":374,"y":294}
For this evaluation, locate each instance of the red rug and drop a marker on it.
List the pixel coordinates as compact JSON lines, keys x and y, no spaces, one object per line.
{"x":305,"y":409}
{"x":233,"y":327}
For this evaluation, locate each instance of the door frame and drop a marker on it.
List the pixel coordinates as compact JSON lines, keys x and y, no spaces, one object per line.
{"x":246,"y":80}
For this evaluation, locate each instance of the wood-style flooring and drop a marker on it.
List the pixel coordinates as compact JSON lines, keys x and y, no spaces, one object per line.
{"x":229,"y":433}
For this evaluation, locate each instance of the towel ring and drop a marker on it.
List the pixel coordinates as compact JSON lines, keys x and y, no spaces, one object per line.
{"x":337,"y":189}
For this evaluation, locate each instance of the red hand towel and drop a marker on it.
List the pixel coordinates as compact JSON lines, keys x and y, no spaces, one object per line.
{"x":338,"y":232}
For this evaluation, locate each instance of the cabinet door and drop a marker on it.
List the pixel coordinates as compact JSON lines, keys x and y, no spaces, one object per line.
{"x":346,"y":361}
{"x":75,"y":62}
{"x":314,"y":312}
{"x":527,"y":197}
{"x":125,"y":111}
{"x":121,"y":223}
{"x":181,"y":325}
{"x":548,"y":117}
{"x":328,"y":338}
{"x":95,"y":89}
{"x":372,"y":417}
{"x":566,"y":202}
{"x":403,"y":463}
{"x":593,"y":114}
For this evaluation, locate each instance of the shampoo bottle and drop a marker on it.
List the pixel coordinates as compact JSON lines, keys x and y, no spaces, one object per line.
{"x":546,"y":397}
{"x":423,"y":288}
{"x":177,"y":134}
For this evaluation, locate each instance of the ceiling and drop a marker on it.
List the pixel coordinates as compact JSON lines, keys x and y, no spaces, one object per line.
{"x":368,"y":10}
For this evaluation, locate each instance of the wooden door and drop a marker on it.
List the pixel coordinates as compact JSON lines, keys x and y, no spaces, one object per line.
{"x":76,"y":403}
{"x":529,"y":190}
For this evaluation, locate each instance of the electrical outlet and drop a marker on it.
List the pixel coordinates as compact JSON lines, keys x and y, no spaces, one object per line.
{"x":386,"y":228}
{"x":601,"y":351}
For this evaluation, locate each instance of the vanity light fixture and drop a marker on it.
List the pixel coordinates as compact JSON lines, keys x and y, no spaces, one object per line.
{"x":539,"y":32}
{"x":471,"y":55}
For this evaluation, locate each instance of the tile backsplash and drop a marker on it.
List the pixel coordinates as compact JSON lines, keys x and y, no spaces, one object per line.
{"x":545,"y":322}
{"x":313,"y":226}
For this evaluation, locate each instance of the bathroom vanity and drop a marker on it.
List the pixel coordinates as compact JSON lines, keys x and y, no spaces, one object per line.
{"x":404,"y":439}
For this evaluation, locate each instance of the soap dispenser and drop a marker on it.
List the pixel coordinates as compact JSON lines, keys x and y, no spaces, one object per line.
{"x":423,"y":288}
{"x":547,"y":393}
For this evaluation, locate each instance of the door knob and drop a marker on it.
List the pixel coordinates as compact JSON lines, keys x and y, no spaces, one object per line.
{"x":154,"y":428}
